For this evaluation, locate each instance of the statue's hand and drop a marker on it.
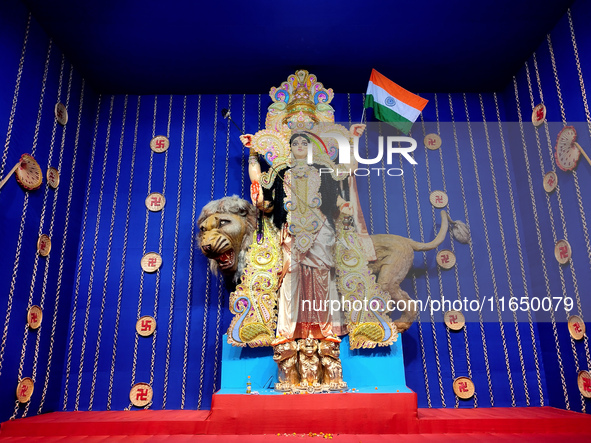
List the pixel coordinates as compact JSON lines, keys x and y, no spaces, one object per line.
{"x":357,"y":130}
{"x":346,"y":209}
{"x":246,"y":140}
{"x":256,"y":196}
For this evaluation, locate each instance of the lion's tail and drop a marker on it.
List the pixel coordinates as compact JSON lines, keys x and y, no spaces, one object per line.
{"x":459,"y":231}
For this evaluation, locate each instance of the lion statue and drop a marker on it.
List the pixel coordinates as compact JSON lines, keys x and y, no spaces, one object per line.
{"x":226,"y":227}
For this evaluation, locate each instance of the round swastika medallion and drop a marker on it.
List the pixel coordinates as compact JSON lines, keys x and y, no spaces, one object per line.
{"x":24,"y":390}
{"x":53,"y":177}
{"x":145,"y":326}
{"x":463,"y":388}
{"x":576,"y":327}
{"x":61,"y":114}
{"x":151,"y":262}
{"x":584,"y":383}
{"x":141,"y":394}
{"x":438,"y":199}
{"x":446,"y":259}
{"x":562,"y":251}
{"x":432,"y":142}
{"x":550,"y":181}
{"x":155,"y":202}
{"x":44,"y":245}
{"x":454,"y":320}
{"x":538,"y":115}
{"x":34,"y":317}
{"x":159,"y":144}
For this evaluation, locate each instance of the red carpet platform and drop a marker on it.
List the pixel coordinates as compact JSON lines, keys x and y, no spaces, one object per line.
{"x":347,"y":417}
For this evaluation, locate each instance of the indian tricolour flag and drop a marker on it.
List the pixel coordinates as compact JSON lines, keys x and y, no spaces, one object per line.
{"x":392,"y":103}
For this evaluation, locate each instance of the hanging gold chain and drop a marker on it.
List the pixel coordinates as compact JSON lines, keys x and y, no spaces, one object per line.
{"x":51,"y":227}
{"x":191,"y":251}
{"x":108,"y":258}
{"x":537,"y":223}
{"x":439,"y":275}
{"x":144,"y":245}
{"x":506,"y":260}
{"x":521,"y":264}
{"x":489,"y":252}
{"x":19,"y":75}
{"x":472,"y":260}
{"x":80,"y":256}
{"x":579,"y":71}
{"x":220,"y":290}
{"x":174,"y":258}
{"x":93,"y":258}
{"x":371,"y":231}
{"x":428,"y":285}
{"x":160,"y":243}
{"x":41,"y":218}
{"x":62,"y":254}
{"x":123,"y":257}
{"x":208,"y":273}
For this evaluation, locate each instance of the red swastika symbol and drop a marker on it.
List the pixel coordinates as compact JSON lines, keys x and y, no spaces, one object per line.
{"x":156,"y":201}
{"x":43,"y":245}
{"x":577,"y":327}
{"x":452,"y":319}
{"x":444,"y":258}
{"x":563,"y":252}
{"x":463,"y":386}
{"x":550,"y":181}
{"x":33,"y":317}
{"x":159,"y":144}
{"x":587,"y":385}
{"x":24,"y":390}
{"x":152,"y":262}
{"x":60,"y":112}
{"x":540,"y":114}
{"x":142,"y":395}
{"x":51,"y":176}
{"x":439,"y":199}
{"x":431,"y":141}
{"x":146,"y":325}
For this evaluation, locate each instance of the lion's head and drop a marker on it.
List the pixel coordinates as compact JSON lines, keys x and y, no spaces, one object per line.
{"x":225,"y":230}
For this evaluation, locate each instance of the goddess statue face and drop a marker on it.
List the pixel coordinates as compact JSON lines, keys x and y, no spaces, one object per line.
{"x":299,"y":147}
